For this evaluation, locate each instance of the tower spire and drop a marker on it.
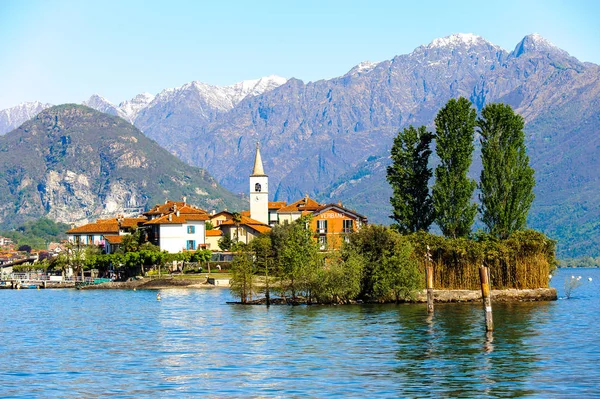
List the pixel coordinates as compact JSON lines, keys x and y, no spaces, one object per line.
{"x":258,"y":165}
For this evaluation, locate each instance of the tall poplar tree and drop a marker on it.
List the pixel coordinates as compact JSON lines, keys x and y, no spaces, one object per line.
{"x":507,"y":180}
{"x":409,"y":176}
{"x":452,"y":191}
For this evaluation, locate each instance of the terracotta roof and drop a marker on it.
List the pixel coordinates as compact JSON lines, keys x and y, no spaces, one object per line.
{"x":248,"y":222}
{"x":227,"y":214}
{"x":277,"y":204}
{"x":101,"y":228}
{"x":114,"y":239}
{"x":340,"y":208}
{"x":214,"y":233}
{"x":304,"y":204}
{"x":245,"y":213}
{"x":172,"y":207}
{"x":173,"y":218}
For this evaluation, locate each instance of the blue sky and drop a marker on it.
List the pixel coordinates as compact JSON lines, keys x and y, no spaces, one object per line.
{"x":63,"y":50}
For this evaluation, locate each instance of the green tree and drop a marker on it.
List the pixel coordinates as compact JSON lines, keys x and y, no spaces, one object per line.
{"x":373,"y":243}
{"x":242,"y":277}
{"x":237,"y":219}
{"x":339,"y":280}
{"x":452,"y":191}
{"x":132,"y":242}
{"x":225,"y":243}
{"x":297,"y":255}
{"x":201,"y":256}
{"x":507,"y":180}
{"x":409,"y":176}
{"x":400,"y":276}
{"x":263,"y":253}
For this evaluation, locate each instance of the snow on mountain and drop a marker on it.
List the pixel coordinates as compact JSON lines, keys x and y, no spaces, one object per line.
{"x":132,"y":107}
{"x":101,"y":104}
{"x":238,"y":91}
{"x":12,"y":118}
{"x":362,"y":68}
{"x":457,"y":40}
{"x":536,"y":43}
{"x":222,"y":98}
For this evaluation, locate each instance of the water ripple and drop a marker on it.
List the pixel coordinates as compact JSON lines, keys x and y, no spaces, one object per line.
{"x":124,"y":344}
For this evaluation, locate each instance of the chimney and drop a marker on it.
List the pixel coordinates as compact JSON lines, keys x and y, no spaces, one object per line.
{"x":339,"y":203}
{"x":177,"y":213}
{"x":170,"y":217}
{"x":184,"y":198}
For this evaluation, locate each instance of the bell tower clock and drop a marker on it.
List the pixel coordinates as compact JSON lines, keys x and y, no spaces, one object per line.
{"x":259,"y":191}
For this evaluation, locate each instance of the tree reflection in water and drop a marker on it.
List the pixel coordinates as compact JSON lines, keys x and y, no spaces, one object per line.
{"x":450,"y":354}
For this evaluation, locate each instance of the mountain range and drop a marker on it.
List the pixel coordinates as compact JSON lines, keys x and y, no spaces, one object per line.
{"x":331,"y":138}
{"x":72,"y":163}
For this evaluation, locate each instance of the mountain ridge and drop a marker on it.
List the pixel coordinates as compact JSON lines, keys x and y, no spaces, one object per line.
{"x":43,"y":172}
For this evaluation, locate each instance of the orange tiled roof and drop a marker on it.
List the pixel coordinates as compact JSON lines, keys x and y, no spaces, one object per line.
{"x":277,"y":204}
{"x":174,"y":206}
{"x":173,"y":218}
{"x":114,"y":239}
{"x":103,"y":226}
{"x":98,"y":227}
{"x":304,"y":204}
{"x":227,"y":214}
{"x":245,"y":213}
{"x":246,"y":221}
{"x":214,"y":233}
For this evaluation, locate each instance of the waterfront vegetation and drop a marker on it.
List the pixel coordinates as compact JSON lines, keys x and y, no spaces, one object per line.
{"x":378,"y":264}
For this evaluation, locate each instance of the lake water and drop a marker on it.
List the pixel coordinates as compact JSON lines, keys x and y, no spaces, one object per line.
{"x":68,"y":343}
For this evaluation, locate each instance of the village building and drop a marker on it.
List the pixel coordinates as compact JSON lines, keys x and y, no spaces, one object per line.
{"x":104,"y":231}
{"x":220,"y":217}
{"x":243,"y":230}
{"x":212,"y":239}
{"x":333,"y":223}
{"x":176,"y":226}
{"x":5,"y":242}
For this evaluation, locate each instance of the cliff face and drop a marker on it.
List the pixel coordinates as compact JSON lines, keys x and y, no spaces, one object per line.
{"x":74,"y":164}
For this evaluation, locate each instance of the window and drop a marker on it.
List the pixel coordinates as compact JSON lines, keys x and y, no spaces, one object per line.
{"x":322,"y":226}
{"x":191,"y":245}
{"x":348,"y":225}
{"x":257,"y":187}
{"x":322,"y":242}
{"x":191,"y":229}
{"x":90,"y":240}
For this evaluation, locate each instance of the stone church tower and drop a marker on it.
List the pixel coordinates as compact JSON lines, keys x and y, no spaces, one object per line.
{"x":259,"y":191}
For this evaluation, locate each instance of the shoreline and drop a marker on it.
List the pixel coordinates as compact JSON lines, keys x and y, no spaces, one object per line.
{"x":440,"y":296}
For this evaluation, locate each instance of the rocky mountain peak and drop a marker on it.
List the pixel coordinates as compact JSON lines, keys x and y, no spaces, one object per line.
{"x":101,"y":104}
{"x":13,"y":117}
{"x":132,"y":107}
{"x":536,"y":43}
{"x":362,"y":68}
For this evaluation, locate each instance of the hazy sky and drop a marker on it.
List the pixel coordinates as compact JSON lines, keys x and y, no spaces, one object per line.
{"x":61,"y":51}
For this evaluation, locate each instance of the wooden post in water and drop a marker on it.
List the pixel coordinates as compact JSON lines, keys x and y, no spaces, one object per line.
{"x":429,"y":277}
{"x":486,"y":296}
